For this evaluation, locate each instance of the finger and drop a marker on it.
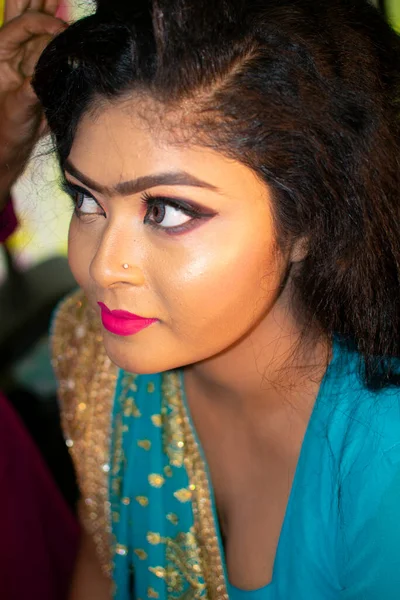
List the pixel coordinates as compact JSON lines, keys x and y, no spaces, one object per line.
{"x":33,"y":50}
{"x":22,"y":29}
{"x":22,"y":103}
{"x":22,"y":118}
{"x":41,"y":5}
{"x":23,"y":114}
{"x":36,"y":5}
{"x":50,"y":7}
{"x":14,"y":8}
{"x":43,"y":128}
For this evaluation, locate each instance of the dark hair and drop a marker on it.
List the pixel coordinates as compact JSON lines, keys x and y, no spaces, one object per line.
{"x":306,"y":94}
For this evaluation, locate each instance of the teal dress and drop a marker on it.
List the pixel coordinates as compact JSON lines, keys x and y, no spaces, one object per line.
{"x":340,"y":537}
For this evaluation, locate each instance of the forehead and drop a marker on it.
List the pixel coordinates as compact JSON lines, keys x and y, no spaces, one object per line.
{"x":123,"y":140}
{"x":139,"y":118}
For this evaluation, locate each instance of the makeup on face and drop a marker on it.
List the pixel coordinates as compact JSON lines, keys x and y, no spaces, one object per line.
{"x":196,"y":229}
{"x":172,"y":216}
{"x":122,"y":322}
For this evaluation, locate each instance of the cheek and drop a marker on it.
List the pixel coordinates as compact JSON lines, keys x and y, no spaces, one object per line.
{"x":226,"y":288}
{"x":79,"y":253}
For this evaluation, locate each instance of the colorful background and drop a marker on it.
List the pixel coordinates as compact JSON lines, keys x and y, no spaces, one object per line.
{"x":43,"y":209}
{"x":393,"y":9}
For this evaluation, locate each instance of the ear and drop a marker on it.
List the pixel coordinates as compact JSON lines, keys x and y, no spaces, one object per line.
{"x":299,"y":250}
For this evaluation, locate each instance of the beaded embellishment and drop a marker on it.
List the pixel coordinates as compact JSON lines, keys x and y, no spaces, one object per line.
{"x":87,"y":380}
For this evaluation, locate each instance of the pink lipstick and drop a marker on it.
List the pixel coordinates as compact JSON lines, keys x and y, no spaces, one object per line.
{"x":122,"y":322}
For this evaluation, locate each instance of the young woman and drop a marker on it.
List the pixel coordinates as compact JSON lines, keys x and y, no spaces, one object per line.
{"x":229,"y":372}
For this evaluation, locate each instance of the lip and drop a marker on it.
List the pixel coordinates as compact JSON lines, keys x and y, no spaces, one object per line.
{"x":122,"y":322}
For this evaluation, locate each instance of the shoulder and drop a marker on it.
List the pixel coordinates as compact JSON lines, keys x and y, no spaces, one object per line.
{"x":84,"y":372}
{"x":75,"y":332}
{"x":369,"y":495}
{"x":359,"y":418}
{"x":363,"y":434}
{"x":86,"y":389}
{"x":370,"y":444}
{"x":359,"y":433}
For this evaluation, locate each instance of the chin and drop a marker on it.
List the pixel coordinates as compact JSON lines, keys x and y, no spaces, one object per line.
{"x":137,"y":358}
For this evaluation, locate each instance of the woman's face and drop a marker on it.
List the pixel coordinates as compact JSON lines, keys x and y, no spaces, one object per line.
{"x":179,"y":235}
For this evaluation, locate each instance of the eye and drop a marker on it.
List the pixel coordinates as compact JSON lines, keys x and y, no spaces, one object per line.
{"x":173,"y":215}
{"x":86,"y":205}
{"x":83,"y":202}
{"x":166,"y":215}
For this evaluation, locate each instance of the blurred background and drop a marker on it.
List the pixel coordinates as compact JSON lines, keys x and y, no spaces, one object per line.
{"x":392,"y":10}
{"x":43,"y":210}
{"x":34,"y":277}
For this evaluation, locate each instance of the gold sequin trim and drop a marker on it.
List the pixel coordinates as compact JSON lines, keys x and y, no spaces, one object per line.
{"x":128,"y":385}
{"x":168,"y":471}
{"x":172,"y":411}
{"x":173,"y":518}
{"x":121,"y":550}
{"x":183,"y":495}
{"x":156,"y":420}
{"x":142,"y":500}
{"x":154,"y":538}
{"x":145,"y":444}
{"x":205,"y":526}
{"x":183,"y":565}
{"x":115,"y":516}
{"x":156,"y":480}
{"x":158,"y":572}
{"x":87,"y":381}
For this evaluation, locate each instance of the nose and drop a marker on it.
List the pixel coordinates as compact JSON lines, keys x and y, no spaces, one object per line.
{"x":115,"y":262}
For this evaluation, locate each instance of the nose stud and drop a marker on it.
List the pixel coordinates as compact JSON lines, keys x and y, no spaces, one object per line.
{"x":125,"y":266}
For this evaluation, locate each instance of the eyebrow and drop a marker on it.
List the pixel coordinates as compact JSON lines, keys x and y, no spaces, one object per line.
{"x":134,"y":186}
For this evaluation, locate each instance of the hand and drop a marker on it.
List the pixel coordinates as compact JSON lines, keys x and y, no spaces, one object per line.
{"x":28,"y":27}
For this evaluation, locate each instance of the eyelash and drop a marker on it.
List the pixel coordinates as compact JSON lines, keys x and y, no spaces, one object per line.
{"x":195,"y":214}
{"x":150,"y":202}
{"x":74,"y":191}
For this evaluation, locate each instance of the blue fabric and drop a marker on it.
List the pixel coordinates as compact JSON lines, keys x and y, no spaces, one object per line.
{"x":152,"y":515}
{"x":341,"y":533}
